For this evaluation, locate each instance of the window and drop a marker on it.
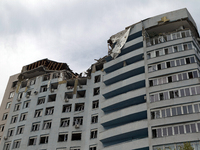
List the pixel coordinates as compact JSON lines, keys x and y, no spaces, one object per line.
{"x":93,"y":134}
{"x":14,"y":119}
{"x":44,"y":139}
{"x":96,"y":91}
{"x":41,"y":100}
{"x":93,"y":147}
{"x":32,"y":82}
{"x":46,"y":77}
{"x":43,"y":88}
{"x":38,"y":113}
{"x":64,"y":122}
{"x":94,"y":119}
{"x":95,"y":104}
{"x":16,"y":144}
{"x":28,"y":94}
{"x":97,"y":79}
{"x":62,"y":137}
{"x":47,"y":125}
{"x":1,"y":127}
{"x":79,"y":107}
{"x":14,"y":84}
{"x":27,"y":104}
{"x":67,"y":108}
{"x":49,"y":111}
{"x":10,"y":132}
{"x":56,"y":75}
{"x":80,"y":94}
{"x":8,"y":105}
{"x":78,"y":121}
{"x":69,"y":95}
{"x":76,"y":136}
{"x":17,"y":107}
{"x":32,"y":140}
{"x":70,"y":84}
{"x":20,"y":95}
{"x":20,"y":130}
{"x":52,"y":98}
{"x":11,"y":94}
{"x":62,"y":148}
{"x":54,"y":87}
{"x":5,"y":115}
{"x":35,"y":126}
{"x":75,"y":148}
{"x":7,"y":146}
{"x":23,"y":84}
{"x":23,"y":116}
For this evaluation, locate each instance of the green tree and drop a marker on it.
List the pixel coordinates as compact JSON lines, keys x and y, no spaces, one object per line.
{"x":186,"y":146}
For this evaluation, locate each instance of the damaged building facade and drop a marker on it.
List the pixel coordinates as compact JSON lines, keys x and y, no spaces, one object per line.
{"x":143,"y":95}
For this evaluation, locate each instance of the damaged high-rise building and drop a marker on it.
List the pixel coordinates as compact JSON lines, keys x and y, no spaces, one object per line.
{"x":143,"y":95}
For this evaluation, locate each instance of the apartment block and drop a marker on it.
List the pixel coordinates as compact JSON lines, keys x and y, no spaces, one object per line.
{"x":143,"y":95}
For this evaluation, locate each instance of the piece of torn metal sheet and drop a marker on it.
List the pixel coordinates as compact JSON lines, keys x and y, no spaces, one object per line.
{"x":120,"y":39}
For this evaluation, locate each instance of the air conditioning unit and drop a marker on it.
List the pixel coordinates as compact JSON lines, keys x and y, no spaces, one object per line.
{"x":27,"y":96}
{"x":36,"y":92}
{"x":5,"y":137}
{"x":77,"y":126}
{"x":52,"y":90}
{"x":66,"y":100}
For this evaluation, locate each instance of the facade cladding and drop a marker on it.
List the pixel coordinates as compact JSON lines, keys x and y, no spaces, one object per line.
{"x":143,"y":95}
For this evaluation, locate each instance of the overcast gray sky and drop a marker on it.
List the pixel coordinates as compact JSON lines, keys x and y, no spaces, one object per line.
{"x":71,"y":31}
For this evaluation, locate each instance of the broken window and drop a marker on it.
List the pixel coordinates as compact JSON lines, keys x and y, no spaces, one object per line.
{"x":68,"y":95}
{"x":32,"y":82}
{"x":14,"y":119}
{"x":95,"y":104}
{"x":79,"y":107}
{"x":78,"y":121}
{"x":44,"y":139}
{"x":35,"y":126}
{"x":10,"y":132}
{"x":96,"y":91}
{"x":14,"y":84}
{"x":27,"y":104}
{"x":150,"y":82}
{"x":32,"y":140}
{"x":43,"y":88}
{"x":56,"y":75}
{"x":54,"y":87}
{"x":5,"y":115}
{"x":70,"y":84}
{"x":38,"y":113}
{"x":94,"y":119}
{"x":46,"y":77}
{"x":23,"y":116}
{"x":49,"y":111}
{"x":76,"y":136}
{"x":47,"y":125}
{"x":80,"y":94}
{"x":97,"y":79}
{"x":23,"y":84}
{"x":93,"y":134}
{"x":17,"y":107}
{"x":82,"y":81}
{"x":93,"y":147}
{"x":67,"y":108}
{"x":19,"y":96}
{"x":52,"y":98}
{"x":20,"y":130}
{"x":62,"y":137}
{"x":41,"y":100}
{"x":28,"y":94}
{"x":99,"y":66}
{"x":1,"y":127}
{"x":11,"y":94}
{"x":8,"y":105}
{"x":16,"y":144}
{"x":64,"y":122}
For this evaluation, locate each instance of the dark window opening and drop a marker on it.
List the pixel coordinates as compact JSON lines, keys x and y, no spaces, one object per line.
{"x":49,"y":111}
{"x":14,"y":84}
{"x":67,"y":108}
{"x":154,"y":133}
{"x":97,"y":79}
{"x":54,"y":87}
{"x":187,"y":60}
{"x":150,"y":82}
{"x":161,"y":96}
{"x":52,"y":98}
{"x":64,"y":122}
{"x":23,"y":84}
{"x":190,"y":75}
{"x":56,"y":75}
{"x":169,"y":79}
{"x":46,"y":77}
{"x":62,"y":137}
{"x":153,"y":115}
{"x":79,"y":107}
{"x":78,"y":121}
{"x":76,"y":136}
{"x":168,"y":65}
{"x":80,"y":94}
{"x":99,"y":66}
{"x":157,"y":53}
{"x":44,"y":139}
{"x":70,"y":84}
{"x":82,"y":81}
{"x":96,"y":91}
{"x":93,"y":134}
{"x":69,"y":95}
{"x":94,"y":119}
{"x":95,"y":104}
{"x":32,"y":141}
{"x":159,"y":66}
